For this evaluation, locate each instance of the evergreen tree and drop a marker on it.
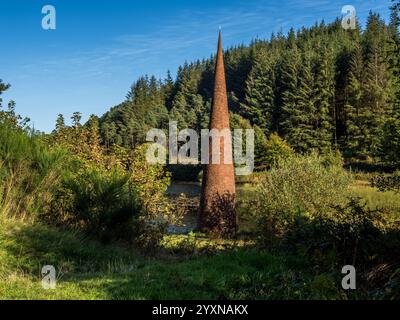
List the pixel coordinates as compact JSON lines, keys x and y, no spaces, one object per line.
{"x":76,"y":119}
{"x":376,"y":94}
{"x":318,"y":88}
{"x":298,"y":104}
{"x":3,"y":86}
{"x":354,"y":143}
{"x":393,"y":57}
{"x":390,"y":145}
{"x":168,"y":90}
{"x":182,"y":111}
{"x":324,"y":93}
{"x":259,"y":99}
{"x":60,"y":123}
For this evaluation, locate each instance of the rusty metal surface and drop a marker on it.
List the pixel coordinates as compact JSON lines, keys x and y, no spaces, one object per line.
{"x":217,"y":206}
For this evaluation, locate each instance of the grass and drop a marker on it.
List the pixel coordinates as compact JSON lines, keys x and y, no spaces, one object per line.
{"x":193,"y":267}
{"x":89,"y":270}
{"x":388,"y":200}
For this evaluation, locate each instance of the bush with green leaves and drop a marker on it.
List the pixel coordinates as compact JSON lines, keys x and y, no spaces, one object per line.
{"x":305,"y":205}
{"x":269,"y":151}
{"x":310,"y":184}
{"x":149,"y":183}
{"x":125,"y":202}
{"x":347,"y":230}
{"x":110,"y":195}
{"x":96,"y":201}
{"x":387,"y":182}
{"x":356,"y":235}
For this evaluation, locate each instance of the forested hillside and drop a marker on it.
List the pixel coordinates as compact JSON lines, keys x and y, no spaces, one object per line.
{"x":318,"y":88}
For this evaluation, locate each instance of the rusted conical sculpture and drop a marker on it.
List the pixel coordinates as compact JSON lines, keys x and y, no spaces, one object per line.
{"x":217,"y":204}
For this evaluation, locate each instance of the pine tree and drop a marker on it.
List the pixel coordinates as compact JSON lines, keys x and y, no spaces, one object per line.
{"x":182,"y":111}
{"x":390,"y":144}
{"x":298,"y":105}
{"x":324,"y":94}
{"x":376,"y":94}
{"x":76,"y":119}
{"x":318,"y":87}
{"x":168,"y":90}
{"x":393,"y":56}
{"x":60,"y":123}
{"x":259,"y":99}
{"x":301,"y":117}
{"x":354,"y":141}
{"x":3,"y":86}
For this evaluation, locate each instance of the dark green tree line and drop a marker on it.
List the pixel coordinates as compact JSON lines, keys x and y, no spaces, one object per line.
{"x":318,"y":88}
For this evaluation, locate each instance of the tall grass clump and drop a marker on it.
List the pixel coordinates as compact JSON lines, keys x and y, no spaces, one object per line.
{"x":28,"y":172}
{"x":93,"y":200}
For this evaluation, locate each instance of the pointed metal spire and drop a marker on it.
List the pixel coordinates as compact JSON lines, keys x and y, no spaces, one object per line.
{"x":217,"y":205}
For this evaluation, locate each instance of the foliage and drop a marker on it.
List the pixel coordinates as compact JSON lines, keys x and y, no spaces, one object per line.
{"x":270,"y":151}
{"x":320,"y":88}
{"x":390,"y":144}
{"x":296,"y":209}
{"x":70,"y":179}
{"x":259,"y":101}
{"x":28,"y":171}
{"x":310,"y":184}
{"x":143,"y":109}
{"x":346,"y":229}
{"x":387,"y":182}
{"x":149,"y":185}
{"x":197,"y":244}
{"x":314,"y":90}
{"x":96,"y":201}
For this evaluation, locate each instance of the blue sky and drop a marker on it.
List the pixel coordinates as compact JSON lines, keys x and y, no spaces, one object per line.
{"x":101,"y":46}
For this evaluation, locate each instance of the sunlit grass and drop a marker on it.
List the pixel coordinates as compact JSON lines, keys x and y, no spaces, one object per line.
{"x":376,"y":199}
{"x":187,"y":267}
{"x":89,"y":270}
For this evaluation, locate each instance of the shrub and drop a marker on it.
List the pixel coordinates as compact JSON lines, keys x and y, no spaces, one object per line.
{"x":352,"y":234}
{"x":96,"y":201}
{"x":387,"y":182}
{"x":106,"y":193}
{"x":126,"y":202}
{"x":348,"y":231}
{"x":270,"y":151}
{"x":149,"y":184}
{"x":300,"y":184}
{"x":304,"y":204}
